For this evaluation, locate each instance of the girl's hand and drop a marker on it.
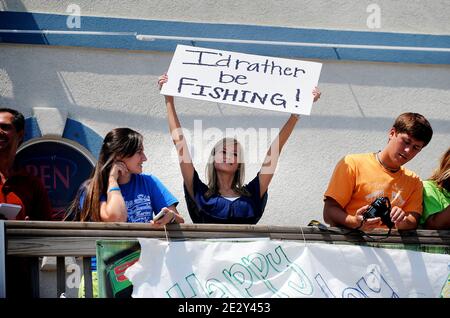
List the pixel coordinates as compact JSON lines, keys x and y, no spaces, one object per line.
{"x":118,"y":169}
{"x":162,"y":80}
{"x":168,"y":218}
{"x":316,"y":93}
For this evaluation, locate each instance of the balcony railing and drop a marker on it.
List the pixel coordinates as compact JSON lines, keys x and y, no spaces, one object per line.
{"x":36,"y":239}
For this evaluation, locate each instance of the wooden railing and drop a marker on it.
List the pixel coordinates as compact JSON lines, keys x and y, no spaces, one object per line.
{"x":35,"y":239}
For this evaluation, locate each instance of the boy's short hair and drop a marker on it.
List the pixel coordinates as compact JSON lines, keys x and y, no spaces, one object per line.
{"x":415,"y":125}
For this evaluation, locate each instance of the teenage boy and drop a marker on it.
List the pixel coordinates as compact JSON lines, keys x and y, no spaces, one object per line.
{"x":359,"y":179}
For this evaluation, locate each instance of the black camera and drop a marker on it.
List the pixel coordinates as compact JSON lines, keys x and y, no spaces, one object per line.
{"x":381,"y":208}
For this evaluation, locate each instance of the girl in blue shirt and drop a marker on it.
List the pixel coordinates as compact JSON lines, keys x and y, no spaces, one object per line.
{"x":117,"y":191}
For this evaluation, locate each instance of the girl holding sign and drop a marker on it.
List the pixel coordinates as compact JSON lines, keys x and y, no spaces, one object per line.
{"x":225,"y":198}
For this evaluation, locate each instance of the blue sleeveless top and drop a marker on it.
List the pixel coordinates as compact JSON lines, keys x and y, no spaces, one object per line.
{"x":217,"y":209}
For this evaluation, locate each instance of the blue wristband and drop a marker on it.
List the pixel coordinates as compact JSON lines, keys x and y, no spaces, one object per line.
{"x":114,"y":189}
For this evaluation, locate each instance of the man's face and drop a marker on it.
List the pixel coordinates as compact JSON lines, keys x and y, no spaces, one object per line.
{"x":402,"y":147}
{"x":9,"y":137}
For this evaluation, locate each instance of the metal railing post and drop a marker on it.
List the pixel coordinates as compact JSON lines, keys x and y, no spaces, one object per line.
{"x":60,"y":275}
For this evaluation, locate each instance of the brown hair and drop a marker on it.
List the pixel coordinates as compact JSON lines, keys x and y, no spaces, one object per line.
{"x":118,"y":143}
{"x":415,"y":125}
{"x":442,"y":174}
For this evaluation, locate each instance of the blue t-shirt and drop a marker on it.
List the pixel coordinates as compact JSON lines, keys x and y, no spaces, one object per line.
{"x":144,"y":196}
{"x":217,"y":209}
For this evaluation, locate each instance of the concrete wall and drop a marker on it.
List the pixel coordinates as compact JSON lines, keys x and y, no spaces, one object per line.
{"x":104,"y":89}
{"x":109,"y":88}
{"x":410,"y":16}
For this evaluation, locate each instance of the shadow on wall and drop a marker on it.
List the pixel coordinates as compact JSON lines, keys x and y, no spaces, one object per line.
{"x":39,"y":79}
{"x":43,"y":73}
{"x":266,"y":121}
{"x":21,"y":68}
{"x":73,"y":130}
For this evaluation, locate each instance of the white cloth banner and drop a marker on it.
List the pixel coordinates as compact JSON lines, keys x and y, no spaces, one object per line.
{"x":242,"y":79}
{"x":284,"y":269}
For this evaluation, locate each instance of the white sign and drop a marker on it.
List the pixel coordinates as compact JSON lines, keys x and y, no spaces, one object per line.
{"x":242,"y":79}
{"x":284,"y":269}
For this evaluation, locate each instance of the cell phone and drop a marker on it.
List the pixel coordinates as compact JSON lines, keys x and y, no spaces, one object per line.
{"x":10,"y":211}
{"x":159,"y":215}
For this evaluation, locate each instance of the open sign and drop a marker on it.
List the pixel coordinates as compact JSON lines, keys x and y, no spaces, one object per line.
{"x":61,"y":164}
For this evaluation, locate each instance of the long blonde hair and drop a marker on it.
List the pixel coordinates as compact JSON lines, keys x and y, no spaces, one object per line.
{"x":442,"y":174}
{"x":239,"y":176}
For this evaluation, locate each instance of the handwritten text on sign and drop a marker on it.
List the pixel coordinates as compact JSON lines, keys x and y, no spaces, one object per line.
{"x":263,"y":269}
{"x":242,"y":79}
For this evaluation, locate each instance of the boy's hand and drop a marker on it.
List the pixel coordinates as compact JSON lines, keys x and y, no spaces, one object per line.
{"x":368,"y":224}
{"x":397,"y":215}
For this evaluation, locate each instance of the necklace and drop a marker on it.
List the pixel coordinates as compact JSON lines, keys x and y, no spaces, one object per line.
{"x":377,"y":155}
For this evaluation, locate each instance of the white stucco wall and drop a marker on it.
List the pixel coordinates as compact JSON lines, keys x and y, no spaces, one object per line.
{"x":409,"y":16}
{"x":105,"y":89}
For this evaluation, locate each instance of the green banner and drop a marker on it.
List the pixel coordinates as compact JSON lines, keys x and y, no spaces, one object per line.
{"x":113,"y":258}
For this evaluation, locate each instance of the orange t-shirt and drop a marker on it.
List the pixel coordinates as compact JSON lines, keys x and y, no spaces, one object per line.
{"x":359,"y":179}
{"x":12,"y":198}
{"x":28,"y":192}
